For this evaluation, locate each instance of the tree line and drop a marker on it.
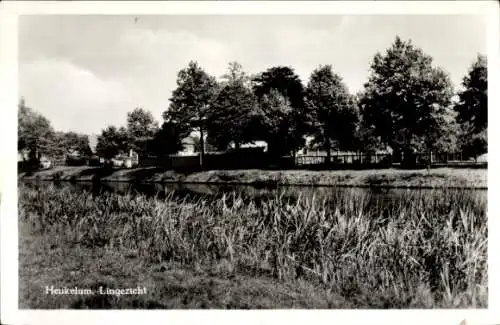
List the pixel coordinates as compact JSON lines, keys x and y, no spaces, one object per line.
{"x":37,"y":137}
{"x":408,"y":105}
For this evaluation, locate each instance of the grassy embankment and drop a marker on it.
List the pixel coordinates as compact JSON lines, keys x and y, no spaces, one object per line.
{"x":433,"y":178}
{"x":423,"y":251}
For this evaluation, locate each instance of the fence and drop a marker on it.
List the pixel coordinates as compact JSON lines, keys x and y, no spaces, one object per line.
{"x":255,"y":158}
{"x":249,"y":158}
{"x":344,"y":159}
{"x":445,"y":159}
{"x":348,"y":160}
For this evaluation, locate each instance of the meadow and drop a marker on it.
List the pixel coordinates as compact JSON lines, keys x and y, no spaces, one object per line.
{"x":337,"y":251}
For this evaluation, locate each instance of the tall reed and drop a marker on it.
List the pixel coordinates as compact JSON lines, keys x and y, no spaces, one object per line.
{"x":418,"y":250}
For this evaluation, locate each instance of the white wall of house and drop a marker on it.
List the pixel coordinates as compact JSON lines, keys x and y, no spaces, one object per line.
{"x":255,"y":144}
{"x":93,"y":142}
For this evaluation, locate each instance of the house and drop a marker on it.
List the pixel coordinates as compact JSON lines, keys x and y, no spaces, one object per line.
{"x":482,"y":158}
{"x":189,"y":144}
{"x":74,"y":153}
{"x":126,"y":160}
{"x":255,"y":144}
{"x":93,"y":143}
{"x":75,"y":157}
{"x":23,"y":155}
{"x":45,"y":162}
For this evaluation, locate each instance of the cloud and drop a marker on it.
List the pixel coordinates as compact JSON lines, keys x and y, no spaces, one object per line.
{"x":72,"y":98}
{"x":141,"y":71}
{"x":84,"y":72}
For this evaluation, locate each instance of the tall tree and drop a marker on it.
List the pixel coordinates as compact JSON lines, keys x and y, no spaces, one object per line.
{"x":229,"y":119}
{"x":276,"y":119}
{"x":283,"y":81}
{"x":191,"y":101}
{"x":407,"y":100}
{"x":35,"y":132}
{"x":472,"y":108}
{"x":333,"y":111}
{"x":112,"y":141}
{"x":141,"y":128}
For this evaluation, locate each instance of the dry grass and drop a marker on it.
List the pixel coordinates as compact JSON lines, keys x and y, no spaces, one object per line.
{"x":433,"y":178}
{"x":420,"y":251}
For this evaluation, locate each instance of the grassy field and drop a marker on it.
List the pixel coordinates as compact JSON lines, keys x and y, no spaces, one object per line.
{"x":433,"y":178}
{"x":423,"y":251}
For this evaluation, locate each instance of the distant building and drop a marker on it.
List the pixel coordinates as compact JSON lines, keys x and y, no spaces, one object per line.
{"x":255,"y":144}
{"x":482,"y":158}
{"x":23,"y":155}
{"x":74,"y":153}
{"x":189,"y":144}
{"x":93,"y":143}
{"x":45,"y":162}
{"x":126,"y":160}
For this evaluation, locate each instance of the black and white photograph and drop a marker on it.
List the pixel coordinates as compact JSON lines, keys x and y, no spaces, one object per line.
{"x":273,"y":161}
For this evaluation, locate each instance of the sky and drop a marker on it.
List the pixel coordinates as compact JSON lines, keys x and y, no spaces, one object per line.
{"x":86,"y":72}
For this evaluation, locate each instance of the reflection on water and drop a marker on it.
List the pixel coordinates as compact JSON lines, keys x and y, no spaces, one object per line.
{"x":376,"y":196}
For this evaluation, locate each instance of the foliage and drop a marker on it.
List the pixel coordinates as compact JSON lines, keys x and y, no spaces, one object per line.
{"x":231,"y":113}
{"x":407,"y":100}
{"x":168,"y":139}
{"x":276,"y":114}
{"x":70,"y":142}
{"x":37,"y":136}
{"x":474,"y":144}
{"x":35,"y":133}
{"x":192,"y":100}
{"x":281,"y":94}
{"x":406,"y":107}
{"x":334,"y":115}
{"x":112,"y":141}
{"x":141,"y":129}
{"x":281,"y":79}
{"x":235,"y":75}
{"x":472,"y":108}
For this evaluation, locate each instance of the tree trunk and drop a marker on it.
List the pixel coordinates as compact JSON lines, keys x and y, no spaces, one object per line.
{"x":202,"y":148}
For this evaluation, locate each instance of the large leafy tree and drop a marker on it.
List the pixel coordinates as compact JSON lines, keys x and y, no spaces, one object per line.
{"x":407,"y":101}
{"x":141,"y":128}
{"x":168,"y":139}
{"x":472,"y":108}
{"x":112,"y":141}
{"x":229,"y":119}
{"x":72,"y":141}
{"x":367,"y":139}
{"x":276,"y":120}
{"x":333,"y":111}
{"x":35,"y":132}
{"x":280,"y":88}
{"x":192,"y":100}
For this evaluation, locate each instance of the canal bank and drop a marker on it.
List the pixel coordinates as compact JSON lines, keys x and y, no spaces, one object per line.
{"x":390,"y":178}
